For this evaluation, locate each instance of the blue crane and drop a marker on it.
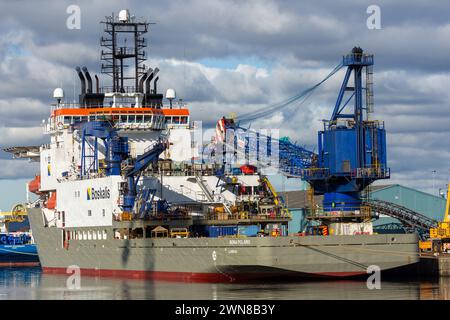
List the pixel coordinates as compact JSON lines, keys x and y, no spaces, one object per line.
{"x":116,"y":147}
{"x":351,"y":147}
{"x":133,"y":175}
{"x":116,"y":151}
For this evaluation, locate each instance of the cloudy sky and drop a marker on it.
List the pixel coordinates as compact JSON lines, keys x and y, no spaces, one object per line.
{"x":239,"y":56}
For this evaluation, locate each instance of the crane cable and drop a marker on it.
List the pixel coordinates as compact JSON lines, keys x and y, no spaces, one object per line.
{"x":283,"y":104}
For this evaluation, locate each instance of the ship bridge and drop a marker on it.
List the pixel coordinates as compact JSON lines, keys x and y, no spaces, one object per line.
{"x":126,"y":117}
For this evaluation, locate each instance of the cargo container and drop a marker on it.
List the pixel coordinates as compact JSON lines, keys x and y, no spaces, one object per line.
{"x":222,"y":231}
{"x":249,"y":231}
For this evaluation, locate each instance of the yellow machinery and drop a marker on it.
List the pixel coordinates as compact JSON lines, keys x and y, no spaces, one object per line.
{"x":277,"y":201}
{"x":15,"y":215}
{"x":439,"y":237}
{"x":179,"y":232}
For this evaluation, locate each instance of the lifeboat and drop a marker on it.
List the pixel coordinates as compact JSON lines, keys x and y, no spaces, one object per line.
{"x":35,"y":184}
{"x":51,"y":202}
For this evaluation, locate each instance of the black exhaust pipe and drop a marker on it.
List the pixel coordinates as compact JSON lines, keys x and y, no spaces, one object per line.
{"x":89,"y":80}
{"x":141,"y":81}
{"x":82,"y":80}
{"x":147,"y":84}
{"x":154,"y":85}
{"x":97,"y":84}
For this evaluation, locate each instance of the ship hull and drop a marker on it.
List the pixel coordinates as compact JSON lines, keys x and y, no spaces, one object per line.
{"x":222,"y":259}
{"x":19,"y":255}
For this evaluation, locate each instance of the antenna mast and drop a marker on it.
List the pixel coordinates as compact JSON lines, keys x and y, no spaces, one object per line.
{"x":123,"y":44}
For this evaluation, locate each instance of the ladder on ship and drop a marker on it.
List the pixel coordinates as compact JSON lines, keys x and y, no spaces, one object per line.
{"x":144,"y":202}
{"x":205,"y":188}
{"x":208,"y":192}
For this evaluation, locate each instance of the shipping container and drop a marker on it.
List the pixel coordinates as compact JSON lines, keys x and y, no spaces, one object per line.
{"x":249,"y":231}
{"x":222,"y":231}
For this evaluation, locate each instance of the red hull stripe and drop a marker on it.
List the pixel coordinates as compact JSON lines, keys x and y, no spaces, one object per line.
{"x":194,"y":277}
{"x":19,"y":264}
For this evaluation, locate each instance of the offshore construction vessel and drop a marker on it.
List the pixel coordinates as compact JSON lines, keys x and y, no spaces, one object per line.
{"x":123,"y":190}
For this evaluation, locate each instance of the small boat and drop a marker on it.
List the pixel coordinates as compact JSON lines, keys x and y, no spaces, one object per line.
{"x":17,"y":247}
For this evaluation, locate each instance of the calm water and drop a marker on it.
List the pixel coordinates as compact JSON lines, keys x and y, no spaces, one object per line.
{"x":31,"y":283}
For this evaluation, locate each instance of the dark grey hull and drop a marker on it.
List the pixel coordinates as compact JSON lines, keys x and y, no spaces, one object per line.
{"x":222,"y":259}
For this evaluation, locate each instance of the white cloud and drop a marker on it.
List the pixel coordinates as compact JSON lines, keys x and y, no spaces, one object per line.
{"x":299,"y":42}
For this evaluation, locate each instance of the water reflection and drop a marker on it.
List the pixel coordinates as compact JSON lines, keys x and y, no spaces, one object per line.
{"x":30,"y":283}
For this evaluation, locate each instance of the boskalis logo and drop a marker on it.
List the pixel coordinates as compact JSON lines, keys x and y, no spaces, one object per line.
{"x":96,"y":194}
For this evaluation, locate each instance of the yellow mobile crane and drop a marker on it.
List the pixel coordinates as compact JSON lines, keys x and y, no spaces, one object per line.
{"x":276,"y":198}
{"x":439,"y":237}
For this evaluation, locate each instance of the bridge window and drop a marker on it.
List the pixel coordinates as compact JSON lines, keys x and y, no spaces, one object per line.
{"x":147,"y":118}
{"x":123,"y":118}
{"x":131,"y":118}
{"x":183,"y":120}
{"x":139,"y":118}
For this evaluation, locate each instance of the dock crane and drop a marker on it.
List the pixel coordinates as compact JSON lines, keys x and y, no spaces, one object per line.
{"x":351,"y":148}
